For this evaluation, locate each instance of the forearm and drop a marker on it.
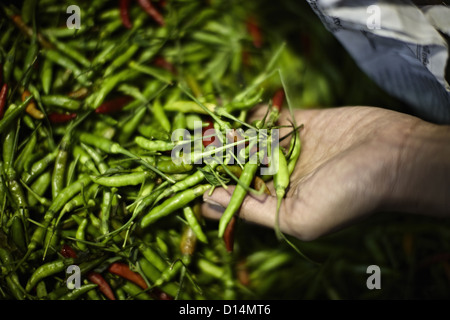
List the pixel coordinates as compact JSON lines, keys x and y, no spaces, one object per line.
{"x":423,"y":172}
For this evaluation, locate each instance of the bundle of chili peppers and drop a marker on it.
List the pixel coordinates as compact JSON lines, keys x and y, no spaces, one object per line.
{"x":89,"y":185}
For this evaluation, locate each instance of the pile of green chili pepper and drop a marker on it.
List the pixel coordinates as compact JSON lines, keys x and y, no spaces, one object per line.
{"x":93,"y":207}
{"x":86,"y":122}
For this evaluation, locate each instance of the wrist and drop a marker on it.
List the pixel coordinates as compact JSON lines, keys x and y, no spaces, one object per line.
{"x":422,"y":170}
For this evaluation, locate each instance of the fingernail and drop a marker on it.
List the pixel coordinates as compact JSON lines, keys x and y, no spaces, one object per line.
{"x":215,"y":203}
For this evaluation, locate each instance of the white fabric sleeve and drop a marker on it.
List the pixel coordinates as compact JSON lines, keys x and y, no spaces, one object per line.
{"x":399,"y":45}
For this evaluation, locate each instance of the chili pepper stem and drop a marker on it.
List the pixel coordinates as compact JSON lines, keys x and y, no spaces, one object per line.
{"x":280,"y":196}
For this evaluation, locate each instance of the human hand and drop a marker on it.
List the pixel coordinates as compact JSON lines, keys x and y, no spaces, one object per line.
{"x":354,"y":161}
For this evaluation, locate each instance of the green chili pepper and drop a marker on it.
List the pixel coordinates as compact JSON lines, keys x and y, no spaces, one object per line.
{"x":67,"y":50}
{"x":110,"y":28}
{"x":39,"y":167}
{"x":93,"y":295}
{"x":187,"y":247}
{"x":296,"y":146}
{"x":27,"y":11}
{"x":63,"y":197}
{"x":160,"y":115}
{"x":12,"y":279}
{"x":280,"y":181}
{"x":46,"y":270}
{"x":131,"y":126}
{"x":245,"y":104}
{"x":76,"y":293}
{"x":51,"y":239}
{"x":26,"y":153}
{"x":92,"y":230}
{"x":184,"y":184}
{"x":120,"y":294}
{"x":6,"y":36}
{"x":41,"y":290}
{"x":39,"y":187}
{"x":17,"y":233}
{"x":179,"y":122}
{"x":269,"y":119}
{"x":151,"y":132}
{"x":96,"y":157}
{"x":59,"y":169}
{"x":101,"y":143}
{"x":58,"y":292}
{"x":10,"y":59}
{"x":191,"y":218}
{"x":135,"y":292}
{"x":109,"y":84}
{"x":178,"y":201}
{"x":80,"y":234}
{"x":33,"y":158}
{"x":121,"y":60}
{"x":16,"y":191}
{"x":15,"y":112}
{"x":152,"y":255}
{"x":168,"y":166}
{"x":154,"y":145}
{"x":106,"y":211}
{"x":238,"y":196}
{"x":153,"y":274}
{"x":103,"y":56}
{"x":9,"y":146}
{"x":65,"y":62}
{"x":29,"y":122}
{"x":3,"y":193}
{"x":47,"y":75}
{"x":17,"y":194}
{"x":188,"y":107}
{"x":83,"y":198}
{"x":130,"y":179}
{"x":30,"y":59}
{"x":160,"y":74}
{"x":85,"y":159}
{"x":62,"y":102}
{"x":210,"y":268}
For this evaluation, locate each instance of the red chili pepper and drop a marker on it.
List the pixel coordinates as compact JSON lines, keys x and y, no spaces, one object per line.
{"x":246,"y":58}
{"x":158,"y":294}
{"x":228,"y":236}
{"x":242,"y":273}
{"x":151,"y":11}
{"x":255,"y":32}
{"x":209,"y":140}
{"x":67,"y":251}
{"x":55,"y":117}
{"x":259,"y":183}
{"x":278,"y":99}
{"x":113,"y":105}
{"x":124,"y":13}
{"x":123,"y":270}
{"x":434,"y":259}
{"x":3,"y":96}
{"x":305,"y":41}
{"x":103,"y":285}
{"x":163,"y":63}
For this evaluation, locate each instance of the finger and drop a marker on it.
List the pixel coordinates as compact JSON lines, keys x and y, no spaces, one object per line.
{"x":258,"y":209}
{"x":213,"y":210}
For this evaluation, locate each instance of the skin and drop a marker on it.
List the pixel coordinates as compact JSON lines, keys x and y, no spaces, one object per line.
{"x":355,"y":162}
